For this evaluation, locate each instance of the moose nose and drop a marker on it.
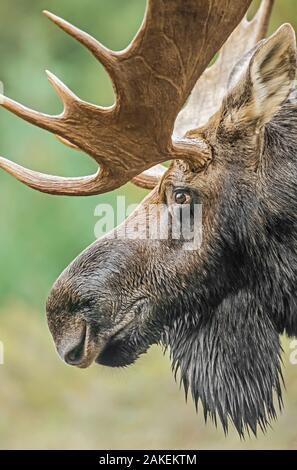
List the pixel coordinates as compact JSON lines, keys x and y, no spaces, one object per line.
{"x":75,"y":355}
{"x":79,"y":347}
{"x":72,"y":344}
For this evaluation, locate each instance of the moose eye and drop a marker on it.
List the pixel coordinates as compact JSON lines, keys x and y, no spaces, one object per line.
{"x":182,"y":197}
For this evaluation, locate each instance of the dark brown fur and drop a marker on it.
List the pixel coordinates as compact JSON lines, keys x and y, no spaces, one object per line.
{"x":219,"y":309}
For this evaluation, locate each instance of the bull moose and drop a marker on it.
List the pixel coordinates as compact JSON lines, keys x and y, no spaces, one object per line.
{"x":230,"y":133}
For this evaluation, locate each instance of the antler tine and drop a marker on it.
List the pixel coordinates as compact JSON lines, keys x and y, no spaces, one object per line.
{"x":210,"y":89}
{"x":58,"y":185}
{"x":45,"y":121}
{"x":54,"y":124}
{"x":100,"y":52}
{"x":66,"y":95}
{"x":262,"y":18}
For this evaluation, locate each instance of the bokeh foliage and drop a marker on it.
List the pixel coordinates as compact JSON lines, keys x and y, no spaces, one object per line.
{"x":43,"y":403}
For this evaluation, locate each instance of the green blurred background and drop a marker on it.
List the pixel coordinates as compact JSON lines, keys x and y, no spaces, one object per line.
{"x":44,"y":403}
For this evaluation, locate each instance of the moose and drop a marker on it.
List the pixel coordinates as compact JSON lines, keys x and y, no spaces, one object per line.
{"x":229,"y":131}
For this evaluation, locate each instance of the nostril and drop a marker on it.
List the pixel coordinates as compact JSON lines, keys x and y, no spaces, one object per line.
{"x":75,"y":356}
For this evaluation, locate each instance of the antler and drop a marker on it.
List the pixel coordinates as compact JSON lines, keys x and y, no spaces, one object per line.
{"x":212,"y":86}
{"x":152,"y":79}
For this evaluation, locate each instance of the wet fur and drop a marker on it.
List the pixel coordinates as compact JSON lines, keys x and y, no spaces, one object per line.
{"x":220,"y":310}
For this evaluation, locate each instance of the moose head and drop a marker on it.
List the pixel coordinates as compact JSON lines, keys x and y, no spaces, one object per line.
{"x":219,"y":307}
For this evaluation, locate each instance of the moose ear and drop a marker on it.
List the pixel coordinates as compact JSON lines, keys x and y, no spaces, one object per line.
{"x":268,"y":81}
